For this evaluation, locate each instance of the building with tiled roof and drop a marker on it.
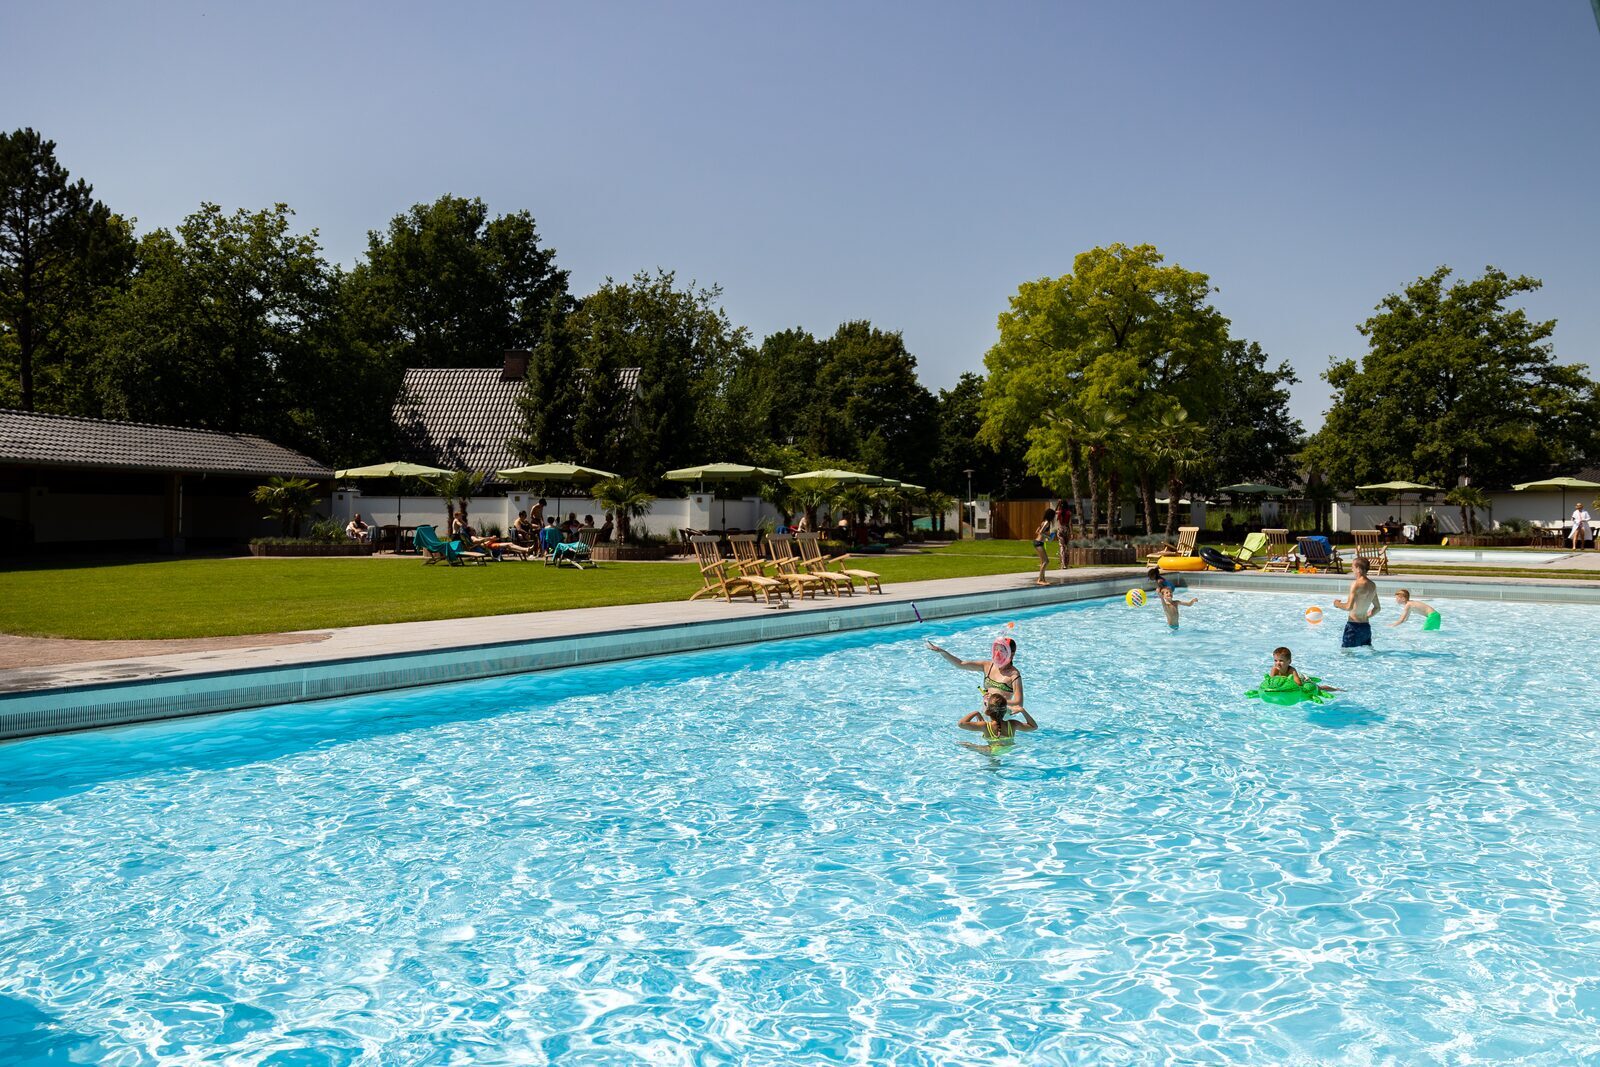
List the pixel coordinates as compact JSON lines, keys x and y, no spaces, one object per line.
{"x":464,"y":417}
{"x":31,"y":439}
{"x":71,"y":480}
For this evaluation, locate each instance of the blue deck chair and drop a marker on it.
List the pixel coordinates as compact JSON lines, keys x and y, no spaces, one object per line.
{"x":437,"y":551}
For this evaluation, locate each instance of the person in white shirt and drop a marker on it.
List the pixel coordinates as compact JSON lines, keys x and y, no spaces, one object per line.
{"x":1580,"y":526}
{"x":357,"y":530}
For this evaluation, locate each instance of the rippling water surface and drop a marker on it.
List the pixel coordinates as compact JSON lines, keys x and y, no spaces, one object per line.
{"x":782,"y":854}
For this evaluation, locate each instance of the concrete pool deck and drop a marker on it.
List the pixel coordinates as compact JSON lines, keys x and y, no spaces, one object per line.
{"x":341,"y":662}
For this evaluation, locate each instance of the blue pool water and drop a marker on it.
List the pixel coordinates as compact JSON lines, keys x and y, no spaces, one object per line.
{"x":782,"y":855}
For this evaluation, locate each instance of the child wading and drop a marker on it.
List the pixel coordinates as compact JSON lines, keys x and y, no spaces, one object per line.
{"x":1362,"y":604}
{"x":1431,"y":619}
{"x":1169,"y":600}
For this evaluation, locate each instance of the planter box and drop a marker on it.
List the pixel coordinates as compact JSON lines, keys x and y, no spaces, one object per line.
{"x":351,"y":549}
{"x":630,"y":552}
{"x":1101,"y":557}
{"x":1468,"y":541}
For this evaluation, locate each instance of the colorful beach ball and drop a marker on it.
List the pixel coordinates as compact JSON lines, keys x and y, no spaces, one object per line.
{"x":1313,"y":615}
{"x":1135,"y":598}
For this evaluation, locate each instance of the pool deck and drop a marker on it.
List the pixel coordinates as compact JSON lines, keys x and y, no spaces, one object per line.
{"x":50,"y":698}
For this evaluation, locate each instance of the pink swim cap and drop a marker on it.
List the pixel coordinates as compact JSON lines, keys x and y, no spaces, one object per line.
{"x":1001,"y":652}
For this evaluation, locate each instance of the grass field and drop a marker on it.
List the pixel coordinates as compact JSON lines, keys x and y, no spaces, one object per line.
{"x":220,"y":597}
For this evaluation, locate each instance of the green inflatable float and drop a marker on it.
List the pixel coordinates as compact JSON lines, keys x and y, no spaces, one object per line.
{"x":1285,"y":690}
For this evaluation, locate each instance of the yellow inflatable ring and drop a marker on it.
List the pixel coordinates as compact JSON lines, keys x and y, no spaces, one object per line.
{"x":1182,"y":563}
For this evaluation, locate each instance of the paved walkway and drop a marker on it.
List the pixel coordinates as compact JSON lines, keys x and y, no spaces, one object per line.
{"x":178,"y":658}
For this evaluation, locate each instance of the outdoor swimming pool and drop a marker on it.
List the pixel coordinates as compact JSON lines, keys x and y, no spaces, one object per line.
{"x":781,"y":854}
{"x":1493,"y":557}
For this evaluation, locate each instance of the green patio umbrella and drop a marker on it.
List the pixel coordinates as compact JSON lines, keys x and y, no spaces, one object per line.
{"x":1400,"y":489}
{"x":824,"y":479}
{"x":721,"y":472}
{"x":556,"y":472}
{"x":1564,"y":485}
{"x":392,"y":470}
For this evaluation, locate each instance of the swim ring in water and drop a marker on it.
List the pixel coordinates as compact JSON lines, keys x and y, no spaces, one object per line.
{"x":1285,"y":690}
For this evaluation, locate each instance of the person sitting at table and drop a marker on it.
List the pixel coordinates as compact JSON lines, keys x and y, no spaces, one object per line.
{"x":588,"y":522}
{"x":569,"y":529}
{"x":357,"y":530}
{"x":549,"y":537}
{"x":605,"y":531}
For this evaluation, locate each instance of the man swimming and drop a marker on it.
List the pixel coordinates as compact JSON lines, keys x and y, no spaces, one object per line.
{"x":1362,"y":604}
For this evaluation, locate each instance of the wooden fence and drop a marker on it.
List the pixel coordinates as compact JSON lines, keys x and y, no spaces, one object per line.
{"x":1015,"y":520}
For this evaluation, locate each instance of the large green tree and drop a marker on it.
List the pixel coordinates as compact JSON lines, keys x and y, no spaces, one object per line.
{"x":1250,"y":436}
{"x":1090,"y":363}
{"x":869,"y":406}
{"x":956,"y":447}
{"x":1454,"y":383}
{"x":684,"y":348}
{"x":447,"y":286}
{"x":62,"y":255}
{"x":231,"y":323}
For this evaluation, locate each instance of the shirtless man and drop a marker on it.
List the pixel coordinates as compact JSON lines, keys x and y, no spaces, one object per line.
{"x":1362,"y":604}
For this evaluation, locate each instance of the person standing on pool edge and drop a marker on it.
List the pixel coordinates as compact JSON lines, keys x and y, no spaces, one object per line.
{"x":1000,"y":674}
{"x":1362,"y":604}
{"x":1045,"y":532}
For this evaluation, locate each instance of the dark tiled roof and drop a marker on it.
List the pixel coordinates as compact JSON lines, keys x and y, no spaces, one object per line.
{"x":462,"y":417}
{"x":31,"y":439}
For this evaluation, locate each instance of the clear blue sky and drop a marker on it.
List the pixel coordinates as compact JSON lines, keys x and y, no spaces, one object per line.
{"x":909,"y":163}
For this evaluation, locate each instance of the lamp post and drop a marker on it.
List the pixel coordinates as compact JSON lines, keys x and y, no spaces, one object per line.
{"x":973,"y":524}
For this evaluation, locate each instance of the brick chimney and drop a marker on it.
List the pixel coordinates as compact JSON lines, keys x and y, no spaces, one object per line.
{"x":516,"y":367}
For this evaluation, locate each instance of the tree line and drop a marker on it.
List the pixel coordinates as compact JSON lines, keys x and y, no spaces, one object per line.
{"x":1117,"y":380}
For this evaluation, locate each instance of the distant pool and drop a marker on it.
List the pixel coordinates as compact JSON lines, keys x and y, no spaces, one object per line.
{"x":782,"y":855}
{"x":1497,"y":557}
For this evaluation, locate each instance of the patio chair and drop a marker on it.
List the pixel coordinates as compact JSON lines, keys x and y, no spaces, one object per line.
{"x":1370,"y":547}
{"x":788,"y":569}
{"x":1185,"y":546}
{"x":1318,"y":554}
{"x":811,"y":556}
{"x":718,"y":582}
{"x":1279,"y":554}
{"x":784,"y":555}
{"x":571,"y":553}
{"x":1250,"y":552}
{"x":435,"y":550}
{"x":747,"y":555}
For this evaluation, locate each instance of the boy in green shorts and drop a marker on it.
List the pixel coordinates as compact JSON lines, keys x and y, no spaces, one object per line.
{"x":1431,"y":619}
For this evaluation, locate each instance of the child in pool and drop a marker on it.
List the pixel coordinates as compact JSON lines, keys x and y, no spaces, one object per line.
{"x":1169,"y":600}
{"x":1283,"y":667}
{"x":991,"y":719}
{"x":1431,"y":619}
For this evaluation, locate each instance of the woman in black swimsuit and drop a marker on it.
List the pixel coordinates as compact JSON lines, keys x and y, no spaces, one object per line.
{"x":1045,"y":532}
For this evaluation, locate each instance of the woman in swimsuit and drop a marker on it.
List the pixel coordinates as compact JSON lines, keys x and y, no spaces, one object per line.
{"x":1000,"y":674}
{"x":1045,"y":532}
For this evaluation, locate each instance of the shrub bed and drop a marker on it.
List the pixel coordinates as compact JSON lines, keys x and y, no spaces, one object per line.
{"x":284,"y":546}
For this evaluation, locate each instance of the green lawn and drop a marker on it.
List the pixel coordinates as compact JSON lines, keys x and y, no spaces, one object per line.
{"x":217,"y":597}
{"x":985,"y":548}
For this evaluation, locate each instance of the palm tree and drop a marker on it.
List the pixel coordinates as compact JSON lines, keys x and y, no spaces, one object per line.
{"x":287,"y":500}
{"x":1098,"y":429}
{"x":627,"y":499}
{"x":457,"y":488}
{"x":1469,"y":498}
{"x":1175,"y":441}
{"x":941,"y":504}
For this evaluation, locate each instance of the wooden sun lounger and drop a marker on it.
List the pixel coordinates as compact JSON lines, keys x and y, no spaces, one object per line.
{"x":1187,"y":535}
{"x":800,"y":579}
{"x":811,"y":557}
{"x":1370,"y":547}
{"x":1279,"y":553}
{"x":1312,"y":554}
{"x":718,"y":582}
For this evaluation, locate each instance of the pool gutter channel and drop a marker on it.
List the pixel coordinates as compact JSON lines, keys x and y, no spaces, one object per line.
{"x":82,"y":707}
{"x":61,"y":709}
